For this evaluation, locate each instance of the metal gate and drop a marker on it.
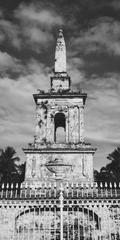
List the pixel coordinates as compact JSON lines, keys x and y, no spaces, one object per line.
{"x":48,"y":224}
{"x":52,"y":213}
{"x":69,"y":219}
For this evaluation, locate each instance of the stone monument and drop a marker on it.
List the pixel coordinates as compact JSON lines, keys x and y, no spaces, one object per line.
{"x":59,"y":151}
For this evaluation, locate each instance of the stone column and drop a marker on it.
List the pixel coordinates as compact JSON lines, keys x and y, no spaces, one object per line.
{"x":70,"y":124}
{"x":50,"y":127}
{"x":76,"y":123}
{"x":67,"y":125}
{"x":73,"y":124}
{"x":28,"y":167}
{"x":81,"y":124}
{"x":40,"y":131}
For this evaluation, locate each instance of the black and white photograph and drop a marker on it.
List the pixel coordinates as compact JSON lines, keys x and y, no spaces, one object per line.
{"x":59,"y":120}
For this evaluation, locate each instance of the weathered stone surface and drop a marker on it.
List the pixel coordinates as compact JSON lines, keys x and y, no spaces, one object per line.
{"x":47,"y":109}
{"x":60,"y":54}
{"x":76,"y":166}
{"x":69,"y":134}
{"x":60,"y":82}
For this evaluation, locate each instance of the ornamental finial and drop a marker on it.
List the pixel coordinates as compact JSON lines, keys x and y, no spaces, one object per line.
{"x":60,"y":54}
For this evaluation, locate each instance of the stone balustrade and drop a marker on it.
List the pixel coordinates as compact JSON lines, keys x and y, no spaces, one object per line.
{"x":52,"y":190}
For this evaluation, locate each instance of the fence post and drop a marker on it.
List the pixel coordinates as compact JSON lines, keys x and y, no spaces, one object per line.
{"x":61,"y":212}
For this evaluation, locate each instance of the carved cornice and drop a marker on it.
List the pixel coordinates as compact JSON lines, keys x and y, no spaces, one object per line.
{"x":59,"y":150}
{"x":63,"y":94}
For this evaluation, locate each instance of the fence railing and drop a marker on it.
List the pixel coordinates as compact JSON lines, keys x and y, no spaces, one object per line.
{"x":52,"y":190}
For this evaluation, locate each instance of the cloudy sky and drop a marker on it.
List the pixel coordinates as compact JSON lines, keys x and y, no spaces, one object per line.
{"x":28,"y":32}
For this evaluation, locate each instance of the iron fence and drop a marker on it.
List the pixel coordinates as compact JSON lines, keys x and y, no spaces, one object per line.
{"x":52,"y":190}
{"x":60,"y":211}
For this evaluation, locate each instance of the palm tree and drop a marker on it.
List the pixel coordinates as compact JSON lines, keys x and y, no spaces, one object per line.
{"x":9,"y":168}
{"x":114,"y":166}
{"x":111,"y":172}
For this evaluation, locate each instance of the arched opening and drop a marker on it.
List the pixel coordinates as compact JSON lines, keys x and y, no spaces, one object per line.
{"x":59,"y":128}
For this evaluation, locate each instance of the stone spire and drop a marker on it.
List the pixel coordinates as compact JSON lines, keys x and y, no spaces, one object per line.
{"x":60,"y":54}
{"x":60,"y":81}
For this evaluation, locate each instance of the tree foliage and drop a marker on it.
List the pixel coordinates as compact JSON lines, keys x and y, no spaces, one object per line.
{"x":10,"y":169}
{"x":111,"y":172}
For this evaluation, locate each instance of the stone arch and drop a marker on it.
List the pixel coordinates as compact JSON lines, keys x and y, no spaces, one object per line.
{"x":59,"y":127}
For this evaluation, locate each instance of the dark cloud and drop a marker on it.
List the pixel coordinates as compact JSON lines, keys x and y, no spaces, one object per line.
{"x":31,"y":26}
{"x":103,"y":35}
{"x":35,"y":15}
{"x":9,"y":64}
{"x":10,"y":33}
{"x":116,"y":5}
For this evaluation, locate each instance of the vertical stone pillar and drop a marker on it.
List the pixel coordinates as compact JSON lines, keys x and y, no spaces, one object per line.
{"x":70,"y":124}
{"x":37,"y":166}
{"x":84,"y":165}
{"x":81,"y":124}
{"x":40,"y":131}
{"x":50,"y":127}
{"x":28,"y":167}
{"x":67,"y":125}
{"x":76,"y":123}
{"x":73,"y":124}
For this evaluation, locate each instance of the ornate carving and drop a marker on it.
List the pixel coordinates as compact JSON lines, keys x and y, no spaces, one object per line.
{"x":58,"y":167}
